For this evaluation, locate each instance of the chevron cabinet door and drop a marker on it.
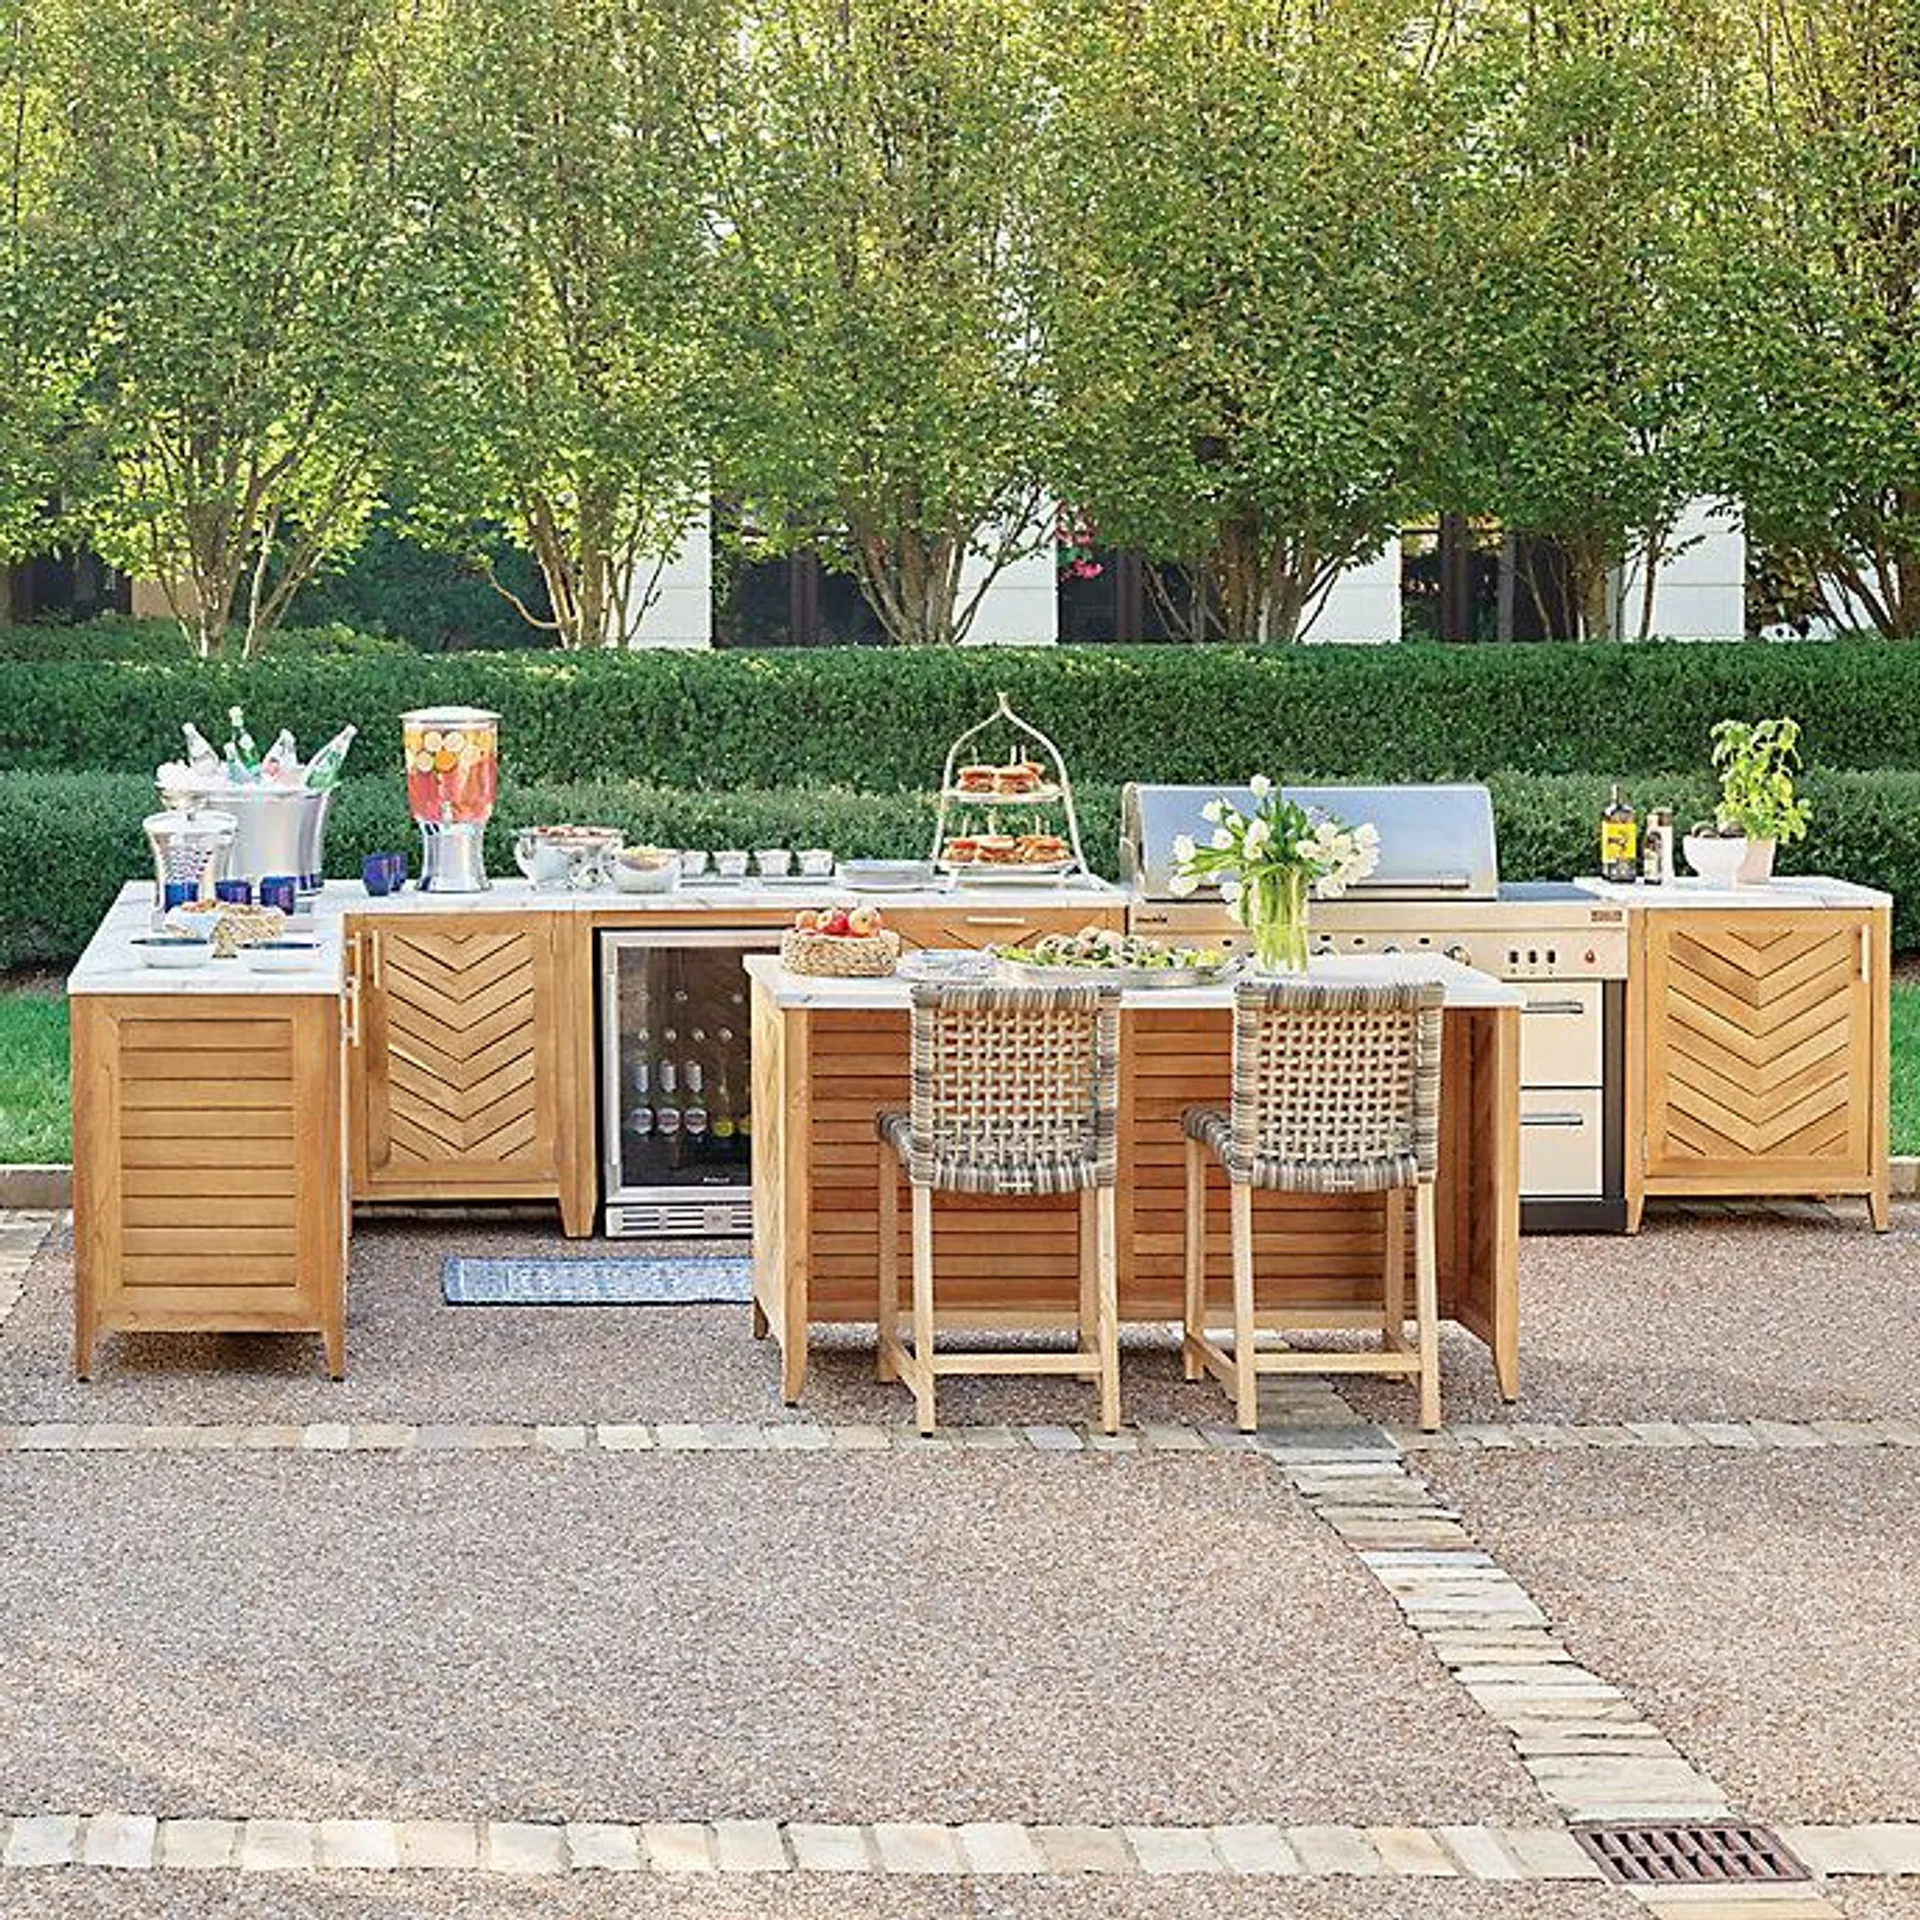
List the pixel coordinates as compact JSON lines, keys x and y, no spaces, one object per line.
{"x":1762,"y":1040}
{"x":459,"y":1060}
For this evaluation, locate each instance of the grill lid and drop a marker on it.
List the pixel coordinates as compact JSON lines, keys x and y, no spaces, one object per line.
{"x":1436,"y":842}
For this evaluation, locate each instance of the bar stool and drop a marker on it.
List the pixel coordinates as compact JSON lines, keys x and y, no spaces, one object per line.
{"x":1015,"y":1092}
{"x":1336,"y":1089}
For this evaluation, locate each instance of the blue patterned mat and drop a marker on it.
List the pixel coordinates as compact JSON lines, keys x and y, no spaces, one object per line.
{"x":633,"y":1282}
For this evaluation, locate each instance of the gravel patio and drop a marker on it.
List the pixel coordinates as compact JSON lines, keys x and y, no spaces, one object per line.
{"x":569,"y":1592}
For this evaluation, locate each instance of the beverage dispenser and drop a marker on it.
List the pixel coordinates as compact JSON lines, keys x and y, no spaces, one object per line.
{"x":453,"y":774}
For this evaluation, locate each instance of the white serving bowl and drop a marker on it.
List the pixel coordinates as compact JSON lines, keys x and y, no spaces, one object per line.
{"x":282,"y":956}
{"x":1715,"y":860}
{"x":175,"y":954}
{"x":661,"y":879}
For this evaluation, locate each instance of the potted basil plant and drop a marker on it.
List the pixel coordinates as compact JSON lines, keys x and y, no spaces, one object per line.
{"x":1759,"y":807}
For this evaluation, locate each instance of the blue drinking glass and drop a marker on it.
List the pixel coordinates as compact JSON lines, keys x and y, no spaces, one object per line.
{"x":280,"y":890}
{"x":238,"y":892}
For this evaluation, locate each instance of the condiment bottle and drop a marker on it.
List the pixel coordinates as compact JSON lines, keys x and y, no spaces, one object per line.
{"x":1619,"y":841}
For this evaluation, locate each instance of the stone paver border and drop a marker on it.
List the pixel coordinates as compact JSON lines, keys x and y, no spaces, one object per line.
{"x":129,"y":1842}
{"x":1354,"y":1440}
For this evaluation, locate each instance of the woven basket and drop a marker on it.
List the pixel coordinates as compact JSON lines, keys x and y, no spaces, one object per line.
{"x":863,"y":956}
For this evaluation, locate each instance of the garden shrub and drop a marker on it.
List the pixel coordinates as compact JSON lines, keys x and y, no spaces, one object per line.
{"x":878,"y":719}
{"x":68,"y":840}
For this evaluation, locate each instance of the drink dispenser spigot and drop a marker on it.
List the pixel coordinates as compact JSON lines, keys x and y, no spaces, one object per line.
{"x":453,"y":774}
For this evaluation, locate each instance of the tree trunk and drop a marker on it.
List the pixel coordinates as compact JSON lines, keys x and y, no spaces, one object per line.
{"x":1588,"y":582}
{"x":911,"y":580}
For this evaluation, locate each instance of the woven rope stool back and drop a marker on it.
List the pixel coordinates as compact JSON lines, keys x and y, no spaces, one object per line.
{"x":1016,"y":1090}
{"x":1336,"y":1089}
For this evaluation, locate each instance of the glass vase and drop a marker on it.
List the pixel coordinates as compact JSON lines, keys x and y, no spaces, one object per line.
{"x":1276,"y":906}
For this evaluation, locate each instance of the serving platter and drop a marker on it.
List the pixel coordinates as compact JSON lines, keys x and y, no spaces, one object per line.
{"x":1015,"y":870}
{"x":1127,"y":979}
{"x":1043,"y":796}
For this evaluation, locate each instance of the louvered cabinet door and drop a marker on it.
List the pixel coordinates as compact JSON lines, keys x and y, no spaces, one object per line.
{"x":458,"y":1059}
{"x":1761,"y":1048}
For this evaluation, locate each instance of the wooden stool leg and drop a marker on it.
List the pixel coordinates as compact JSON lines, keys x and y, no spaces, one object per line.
{"x":1107,"y":1309}
{"x":1194,"y":1325}
{"x":888,"y":1305}
{"x":1086,"y":1245}
{"x":1395,"y":1330}
{"x":1246,"y":1385}
{"x":1426,"y":1297}
{"x":923,"y":1391}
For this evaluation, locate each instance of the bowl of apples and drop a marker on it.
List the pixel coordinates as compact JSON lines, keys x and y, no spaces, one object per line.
{"x":846,"y":940}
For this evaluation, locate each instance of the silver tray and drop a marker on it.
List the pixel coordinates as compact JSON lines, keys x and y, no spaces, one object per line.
{"x":1127,"y":979}
{"x":1015,"y":871}
{"x":948,"y":964}
{"x":1047,"y":796}
{"x":885,"y":876}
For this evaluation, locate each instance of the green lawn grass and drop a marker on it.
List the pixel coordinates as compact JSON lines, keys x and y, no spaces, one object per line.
{"x":35,"y":1113}
{"x":35,"y":1122}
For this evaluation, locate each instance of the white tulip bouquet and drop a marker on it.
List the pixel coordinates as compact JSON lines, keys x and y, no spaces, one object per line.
{"x":1266,"y":864}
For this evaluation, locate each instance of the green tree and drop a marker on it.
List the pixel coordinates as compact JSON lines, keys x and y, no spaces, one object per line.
{"x":873,"y":165}
{"x":1816,"y":378}
{"x":226,"y":229}
{"x":572,"y":272}
{"x":1234,"y":318}
{"x":42,"y":358}
{"x":1568,"y":401}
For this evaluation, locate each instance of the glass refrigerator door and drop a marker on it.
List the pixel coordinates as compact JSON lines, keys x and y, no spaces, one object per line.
{"x":678,"y":1079}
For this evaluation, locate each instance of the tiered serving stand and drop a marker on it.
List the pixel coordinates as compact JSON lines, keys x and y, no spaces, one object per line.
{"x":1051,"y":799}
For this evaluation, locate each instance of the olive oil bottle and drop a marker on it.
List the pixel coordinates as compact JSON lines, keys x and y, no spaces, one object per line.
{"x":1619,"y":840}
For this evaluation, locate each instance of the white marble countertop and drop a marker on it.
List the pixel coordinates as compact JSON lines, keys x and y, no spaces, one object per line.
{"x":1466,"y":986}
{"x":112,"y":964}
{"x":1788,"y":890}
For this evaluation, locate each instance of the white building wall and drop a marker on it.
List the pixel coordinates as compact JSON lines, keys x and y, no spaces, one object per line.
{"x":1021,"y":607}
{"x":681,"y":614}
{"x":1363,"y":604}
{"x":1701,"y":592}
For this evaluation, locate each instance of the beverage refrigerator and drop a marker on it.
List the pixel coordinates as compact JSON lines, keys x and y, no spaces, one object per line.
{"x":676,"y":1130}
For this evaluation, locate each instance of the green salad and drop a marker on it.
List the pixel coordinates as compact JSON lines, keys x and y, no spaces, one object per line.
{"x":1095,"y":948}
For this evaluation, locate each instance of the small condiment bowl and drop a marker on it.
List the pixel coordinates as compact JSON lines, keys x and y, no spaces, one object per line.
{"x":775,"y":863}
{"x":731,"y":864}
{"x":816,"y":863}
{"x":693,"y":863}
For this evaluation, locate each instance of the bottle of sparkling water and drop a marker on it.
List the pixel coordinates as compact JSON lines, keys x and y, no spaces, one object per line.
{"x":200,"y":754}
{"x":281,"y":764}
{"x":244,"y":752}
{"x":323,"y":770}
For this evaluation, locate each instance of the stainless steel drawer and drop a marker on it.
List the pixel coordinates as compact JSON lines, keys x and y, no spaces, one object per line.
{"x":1561,"y":1033}
{"x":1560,"y":1141}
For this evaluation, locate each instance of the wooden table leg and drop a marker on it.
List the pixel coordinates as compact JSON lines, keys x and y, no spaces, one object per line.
{"x":1504,"y":1200}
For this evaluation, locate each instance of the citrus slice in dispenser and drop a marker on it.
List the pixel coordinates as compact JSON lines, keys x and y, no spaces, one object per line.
{"x":453,"y":739}
{"x":431,"y":739}
{"x":445,"y":762}
{"x":421,"y":761}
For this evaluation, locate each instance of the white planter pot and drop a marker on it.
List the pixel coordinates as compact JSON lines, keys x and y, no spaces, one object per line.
{"x":1757,"y":868}
{"x":1718,"y":862}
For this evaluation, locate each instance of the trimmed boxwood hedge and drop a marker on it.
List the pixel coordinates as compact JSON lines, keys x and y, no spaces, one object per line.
{"x":68,"y":840}
{"x":876,"y":719}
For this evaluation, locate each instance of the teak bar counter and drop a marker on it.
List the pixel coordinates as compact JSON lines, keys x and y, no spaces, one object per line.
{"x":438,"y":1047}
{"x":830,"y":1054}
{"x":1759,"y":1040}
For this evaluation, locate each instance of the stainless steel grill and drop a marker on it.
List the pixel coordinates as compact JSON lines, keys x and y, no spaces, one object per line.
{"x":1436,"y":842}
{"x":1437,"y":889}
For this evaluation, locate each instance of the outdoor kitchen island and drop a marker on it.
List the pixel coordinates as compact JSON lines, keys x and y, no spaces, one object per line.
{"x":829,"y":1054}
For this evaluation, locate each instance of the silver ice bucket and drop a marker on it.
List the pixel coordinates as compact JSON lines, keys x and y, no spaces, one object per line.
{"x":279,"y":830}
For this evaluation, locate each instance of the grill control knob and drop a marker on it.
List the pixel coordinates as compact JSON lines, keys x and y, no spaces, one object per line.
{"x":1458,"y":951}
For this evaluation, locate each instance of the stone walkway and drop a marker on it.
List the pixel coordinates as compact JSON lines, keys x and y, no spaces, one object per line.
{"x":1400,"y":1505}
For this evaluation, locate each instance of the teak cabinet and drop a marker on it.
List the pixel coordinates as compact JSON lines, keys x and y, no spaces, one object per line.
{"x":979,"y":926}
{"x":208,"y":1167}
{"x":1758,"y":1054}
{"x":475,"y":1038}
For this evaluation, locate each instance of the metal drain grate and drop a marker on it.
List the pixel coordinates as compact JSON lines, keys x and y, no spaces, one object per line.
{"x":1686,"y":1856}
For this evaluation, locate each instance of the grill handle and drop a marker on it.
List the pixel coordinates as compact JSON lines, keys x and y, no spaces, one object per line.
{"x":1555,"y":1006}
{"x":1553,"y":1120}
